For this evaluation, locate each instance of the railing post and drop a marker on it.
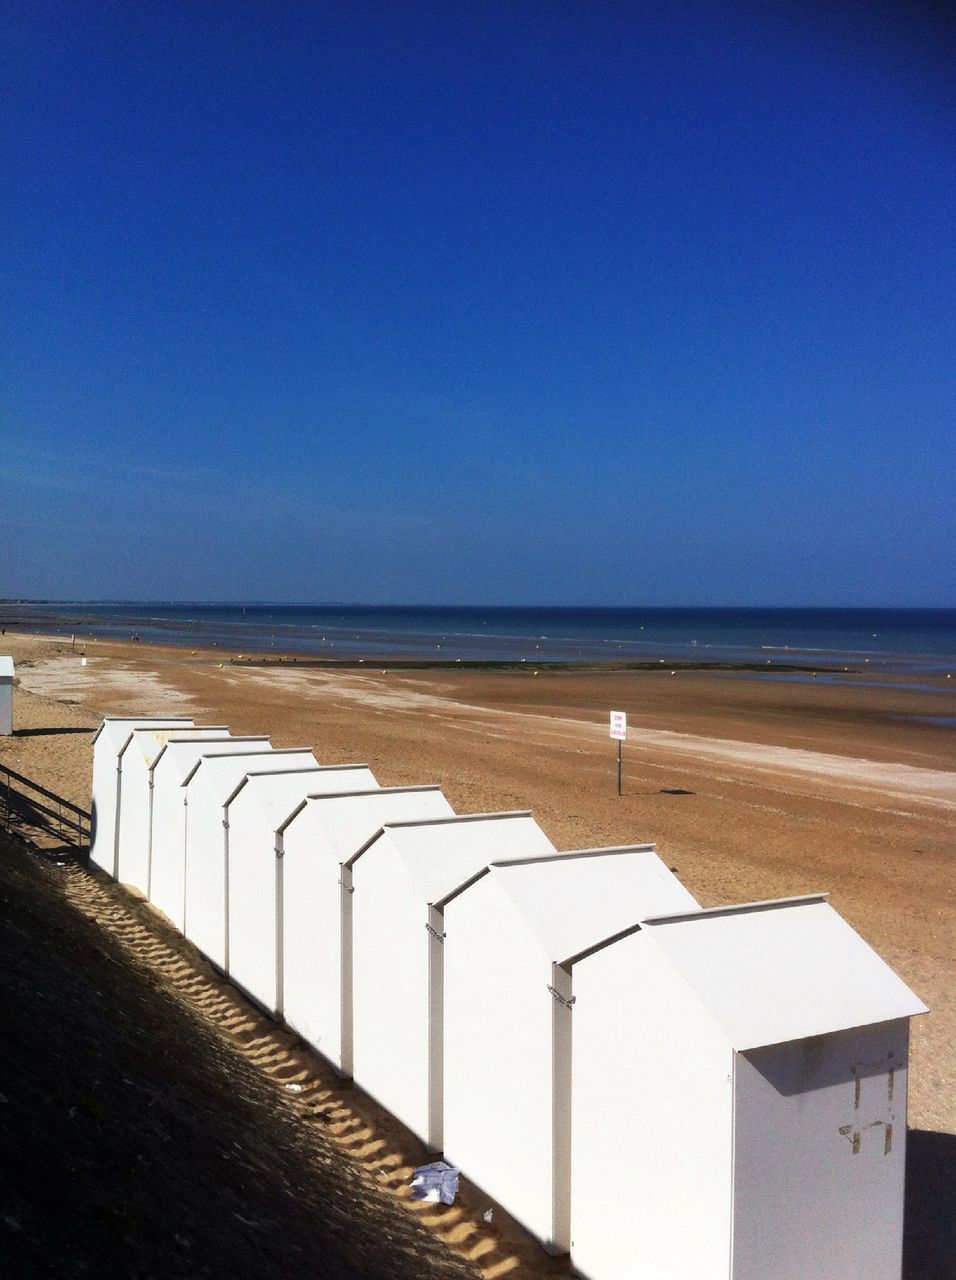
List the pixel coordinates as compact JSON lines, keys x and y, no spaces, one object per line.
{"x":76,"y":831}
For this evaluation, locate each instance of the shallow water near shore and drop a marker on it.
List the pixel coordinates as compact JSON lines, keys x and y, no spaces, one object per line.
{"x":913,"y":641}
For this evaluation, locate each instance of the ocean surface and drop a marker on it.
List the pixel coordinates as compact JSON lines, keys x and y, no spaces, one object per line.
{"x":908,"y":641}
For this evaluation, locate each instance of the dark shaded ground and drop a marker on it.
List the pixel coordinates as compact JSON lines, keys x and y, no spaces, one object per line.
{"x":136,"y":1142}
{"x":929,"y":1240}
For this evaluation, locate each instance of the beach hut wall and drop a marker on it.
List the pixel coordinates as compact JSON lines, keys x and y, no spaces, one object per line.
{"x":739,"y":1099}
{"x":6,"y":696}
{"x":167,"y":851}
{"x":134,"y":821}
{"x":316,"y":956}
{"x":507,"y":1021}
{"x":108,"y":742}
{"x":208,"y":789}
{"x":397,"y":954}
{"x":255,"y":814}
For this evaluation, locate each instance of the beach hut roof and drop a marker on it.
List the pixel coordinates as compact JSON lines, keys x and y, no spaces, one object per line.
{"x":215,"y":756}
{"x":424,"y":845}
{"x":346,"y":795}
{"x":771,"y":972}
{"x":118,"y":728}
{"x":183,"y":750}
{"x":573,"y":900}
{"x":150,"y":740}
{"x":276,"y":791}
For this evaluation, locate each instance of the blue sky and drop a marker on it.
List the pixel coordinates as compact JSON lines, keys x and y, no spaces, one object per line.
{"x":518,"y":303}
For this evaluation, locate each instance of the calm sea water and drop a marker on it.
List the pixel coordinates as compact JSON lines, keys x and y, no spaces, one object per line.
{"x":906,"y":640}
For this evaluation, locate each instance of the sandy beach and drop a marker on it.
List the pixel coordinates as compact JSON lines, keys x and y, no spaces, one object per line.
{"x":750,"y":789}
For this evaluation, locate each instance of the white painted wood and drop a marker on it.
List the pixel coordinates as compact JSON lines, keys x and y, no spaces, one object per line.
{"x":397,"y":972}
{"x":108,"y":741}
{"x":6,"y":696}
{"x":498,"y":1093}
{"x":316,"y":910}
{"x":256,"y":813}
{"x":821,"y":1139}
{"x":136,"y":811}
{"x":208,"y":789}
{"x":167,"y":861}
{"x":507,"y":1035}
{"x":807,"y":1183}
{"x":652,"y":1123}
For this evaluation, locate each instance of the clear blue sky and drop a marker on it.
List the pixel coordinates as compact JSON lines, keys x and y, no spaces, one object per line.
{"x":493,"y":302}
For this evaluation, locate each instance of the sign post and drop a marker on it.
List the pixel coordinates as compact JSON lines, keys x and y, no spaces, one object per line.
{"x":619,"y":732}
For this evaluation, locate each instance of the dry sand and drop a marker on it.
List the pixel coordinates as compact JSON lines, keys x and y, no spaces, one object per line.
{"x":750,"y":789}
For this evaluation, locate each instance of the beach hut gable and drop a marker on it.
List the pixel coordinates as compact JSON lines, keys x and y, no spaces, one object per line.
{"x":117,"y":727}
{"x":247,"y":750}
{"x":317,"y":845}
{"x":179,"y":756}
{"x":255,"y":816}
{"x":769,"y":1041}
{"x":151,"y":743}
{"x":135,"y":820}
{"x":167,"y":852}
{"x":397,"y":962}
{"x":351,"y":795}
{"x":216,"y":732}
{"x":431,"y":851}
{"x":259,"y":773}
{"x":511,"y":937}
{"x":108,"y":742}
{"x":589,"y":895}
{"x":208,"y":788}
{"x":434,"y":822}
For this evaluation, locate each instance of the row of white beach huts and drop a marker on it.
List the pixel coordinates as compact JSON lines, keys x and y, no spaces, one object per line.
{"x":665,"y":1091}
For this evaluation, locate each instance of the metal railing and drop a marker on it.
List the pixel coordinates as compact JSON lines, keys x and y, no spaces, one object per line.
{"x":26,"y":807}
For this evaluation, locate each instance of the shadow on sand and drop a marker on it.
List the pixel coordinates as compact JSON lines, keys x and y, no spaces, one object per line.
{"x":44,"y":733}
{"x":929,"y":1237}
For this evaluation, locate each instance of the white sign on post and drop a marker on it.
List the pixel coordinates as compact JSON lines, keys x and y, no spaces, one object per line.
{"x":619,"y":725}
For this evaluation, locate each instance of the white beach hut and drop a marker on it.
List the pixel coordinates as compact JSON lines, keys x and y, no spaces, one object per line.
{"x":108,"y":742}
{"x":6,"y":696}
{"x":739,"y":1100}
{"x":397,"y":954}
{"x":315,"y":983}
{"x":255,"y":814}
{"x":509,"y":937}
{"x":167,"y":851}
{"x":134,"y":821}
{"x":208,"y":789}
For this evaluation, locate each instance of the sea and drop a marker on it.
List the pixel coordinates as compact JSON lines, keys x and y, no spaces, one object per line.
{"x":790,"y":642}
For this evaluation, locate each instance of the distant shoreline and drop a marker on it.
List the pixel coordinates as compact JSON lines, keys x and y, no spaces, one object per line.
{"x":858,"y":675}
{"x":808,"y":641}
